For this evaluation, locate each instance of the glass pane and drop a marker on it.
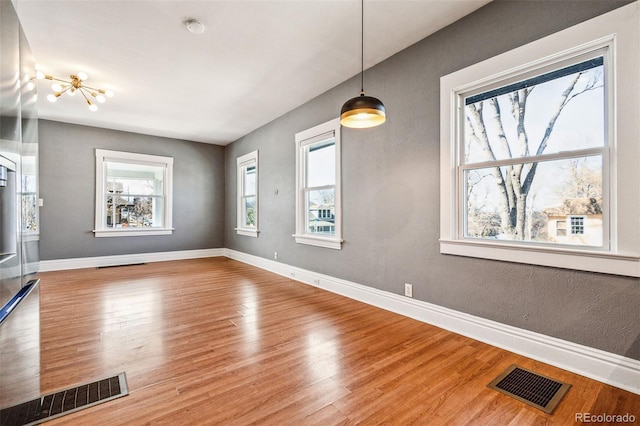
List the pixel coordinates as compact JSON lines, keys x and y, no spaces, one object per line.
{"x":249,"y":212}
{"x":134,"y":179}
{"x":321,"y":164}
{"x":134,"y":212}
{"x":547,"y":114}
{"x":29,"y":203}
{"x":563,"y":204}
{"x":249,"y":186}
{"x":29,"y":212}
{"x":320,"y":211}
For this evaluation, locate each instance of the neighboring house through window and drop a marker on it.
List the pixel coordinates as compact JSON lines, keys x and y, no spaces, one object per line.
{"x":133,"y":194}
{"x":532,"y":143}
{"x":247,"y":223}
{"x":318,"y":189}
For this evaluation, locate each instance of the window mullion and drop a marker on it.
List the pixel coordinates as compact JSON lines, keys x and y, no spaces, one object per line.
{"x":590,"y":152}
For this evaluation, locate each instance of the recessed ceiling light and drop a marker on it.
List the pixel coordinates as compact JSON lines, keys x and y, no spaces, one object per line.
{"x":194,"y":26}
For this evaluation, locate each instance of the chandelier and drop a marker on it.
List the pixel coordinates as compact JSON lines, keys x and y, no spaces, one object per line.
{"x":75,"y":84}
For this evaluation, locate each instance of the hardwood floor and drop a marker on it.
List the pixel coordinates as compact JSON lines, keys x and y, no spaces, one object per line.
{"x":215,"y":341}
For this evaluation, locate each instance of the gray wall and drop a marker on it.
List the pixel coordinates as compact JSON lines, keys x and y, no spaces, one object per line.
{"x":391,"y":193}
{"x":67,"y":186}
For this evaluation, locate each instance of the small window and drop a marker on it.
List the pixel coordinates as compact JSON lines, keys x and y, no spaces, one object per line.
{"x":577,"y":225}
{"x":318,"y":186}
{"x":133,"y":194}
{"x":29,"y":194}
{"x":561,"y":228}
{"x":247,"y":223}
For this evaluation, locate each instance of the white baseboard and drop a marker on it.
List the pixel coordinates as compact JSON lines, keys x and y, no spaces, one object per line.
{"x":596,"y":364}
{"x":126,"y":259}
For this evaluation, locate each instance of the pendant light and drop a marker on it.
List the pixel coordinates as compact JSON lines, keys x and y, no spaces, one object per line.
{"x":362,"y":111}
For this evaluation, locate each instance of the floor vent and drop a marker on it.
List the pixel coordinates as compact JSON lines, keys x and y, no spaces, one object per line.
{"x":68,"y":401}
{"x":531,"y":388}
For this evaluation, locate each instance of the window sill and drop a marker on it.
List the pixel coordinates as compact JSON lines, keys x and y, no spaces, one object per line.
{"x":132,"y":232}
{"x":581,"y":260}
{"x":247,"y":232}
{"x":312,"y":240}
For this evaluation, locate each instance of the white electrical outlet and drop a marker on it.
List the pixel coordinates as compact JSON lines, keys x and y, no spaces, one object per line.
{"x":275,"y":255}
{"x":408,"y":290}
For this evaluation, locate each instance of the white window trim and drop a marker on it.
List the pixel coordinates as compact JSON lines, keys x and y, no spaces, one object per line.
{"x":301,"y":236}
{"x":103,"y":155}
{"x":618,"y":28}
{"x":242,"y":162}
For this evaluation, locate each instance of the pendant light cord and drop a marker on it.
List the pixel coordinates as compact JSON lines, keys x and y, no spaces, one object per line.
{"x":362,"y":47}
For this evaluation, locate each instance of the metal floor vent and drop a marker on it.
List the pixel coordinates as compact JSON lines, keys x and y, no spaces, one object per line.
{"x":68,"y":401}
{"x":531,"y":388}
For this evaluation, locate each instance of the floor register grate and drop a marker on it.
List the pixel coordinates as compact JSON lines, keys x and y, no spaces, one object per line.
{"x":64,"y":402}
{"x":531,"y":388}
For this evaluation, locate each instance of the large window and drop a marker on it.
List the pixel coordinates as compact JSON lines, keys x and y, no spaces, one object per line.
{"x":133,"y":194}
{"x":247,"y":223}
{"x":318,"y":186}
{"x":533,"y":151}
{"x":532,"y":143}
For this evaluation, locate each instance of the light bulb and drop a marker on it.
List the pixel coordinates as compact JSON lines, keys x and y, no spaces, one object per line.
{"x":109,"y":94}
{"x":83,"y":75}
{"x":56,"y":87}
{"x":93,"y":107}
{"x":100,"y":98}
{"x":39,"y":75}
{"x":72,"y":91}
{"x":52,"y":98}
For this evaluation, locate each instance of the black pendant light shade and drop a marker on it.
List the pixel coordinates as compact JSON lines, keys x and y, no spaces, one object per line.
{"x":362,"y":111}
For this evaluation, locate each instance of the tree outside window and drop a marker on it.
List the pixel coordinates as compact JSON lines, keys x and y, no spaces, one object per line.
{"x":534,"y":146}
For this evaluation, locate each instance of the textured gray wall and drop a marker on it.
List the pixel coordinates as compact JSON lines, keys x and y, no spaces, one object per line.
{"x":391,"y":193}
{"x":67,"y":186}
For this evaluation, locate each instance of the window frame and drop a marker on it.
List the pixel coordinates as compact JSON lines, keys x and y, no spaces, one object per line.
{"x":242,"y":163}
{"x":615,"y":31}
{"x":302,"y":140}
{"x":102,"y":156}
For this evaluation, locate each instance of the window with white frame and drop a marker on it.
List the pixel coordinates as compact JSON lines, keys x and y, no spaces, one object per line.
{"x":532,"y":145}
{"x":29,"y":193}
{"x":247,"y":223}
{"x":318,"y":189}
{"x":133,"y":194}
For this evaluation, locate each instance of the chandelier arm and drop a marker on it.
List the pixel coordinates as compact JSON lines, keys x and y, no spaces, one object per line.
{"x":82,"y":90}
{"x":50,"y":77}
{"x":92,"y":88}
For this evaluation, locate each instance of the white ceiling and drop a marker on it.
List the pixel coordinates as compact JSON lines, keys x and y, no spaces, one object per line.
{"x":256,"y":60}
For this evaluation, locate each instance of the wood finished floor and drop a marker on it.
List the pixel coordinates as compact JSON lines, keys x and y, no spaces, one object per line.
{"x":214,"y":341}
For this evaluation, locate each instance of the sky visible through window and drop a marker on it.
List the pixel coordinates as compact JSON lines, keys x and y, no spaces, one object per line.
{"x":579,"y":126}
